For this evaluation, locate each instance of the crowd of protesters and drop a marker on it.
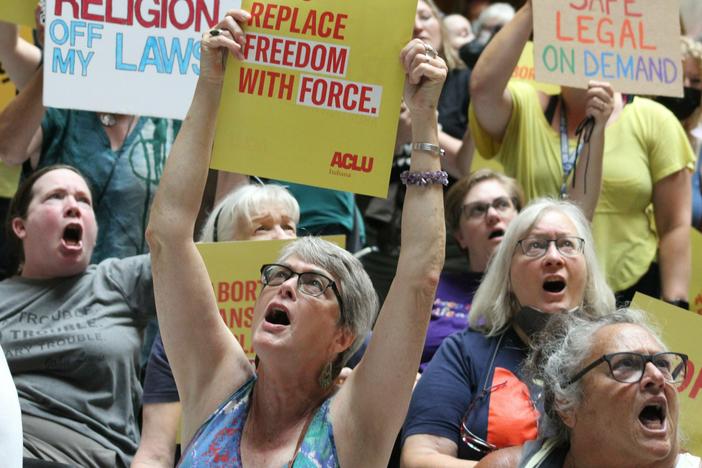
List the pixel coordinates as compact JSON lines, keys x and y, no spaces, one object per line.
{"x":476,"y":317}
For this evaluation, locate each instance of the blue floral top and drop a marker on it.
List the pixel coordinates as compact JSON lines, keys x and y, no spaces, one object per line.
{"x":217,"y":444}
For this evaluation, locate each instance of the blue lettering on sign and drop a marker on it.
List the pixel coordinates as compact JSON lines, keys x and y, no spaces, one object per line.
{"x":163,"y":56}
{"x":68,"y":64}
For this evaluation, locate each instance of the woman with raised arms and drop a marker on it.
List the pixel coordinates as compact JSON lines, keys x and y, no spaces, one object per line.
{"x":314,"y":310}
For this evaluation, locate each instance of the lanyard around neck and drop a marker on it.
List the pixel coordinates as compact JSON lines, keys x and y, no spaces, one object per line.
{"x":568,"y":158}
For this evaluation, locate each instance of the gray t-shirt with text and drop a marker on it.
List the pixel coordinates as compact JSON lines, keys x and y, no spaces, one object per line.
{"x":72,"y":345}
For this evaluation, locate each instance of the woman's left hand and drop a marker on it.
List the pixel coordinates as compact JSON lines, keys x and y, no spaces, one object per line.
{"x":425,"y":76}
{"x":226,"y":35}
{"x":600,"y":102}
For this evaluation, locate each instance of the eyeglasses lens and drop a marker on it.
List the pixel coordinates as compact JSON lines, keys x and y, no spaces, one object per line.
{"x":629,"y":367}
{"x":477,"y":210}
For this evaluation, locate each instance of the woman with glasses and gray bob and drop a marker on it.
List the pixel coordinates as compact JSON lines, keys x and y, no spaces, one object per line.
{"x":472,"y":398}
{"x":313,"y":311}
{"x":610,"y":397}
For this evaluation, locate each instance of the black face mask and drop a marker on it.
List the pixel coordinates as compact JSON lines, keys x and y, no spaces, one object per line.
{"x":532,"y":320}
{"x":682,"y":107}
{"x":470,"y":52}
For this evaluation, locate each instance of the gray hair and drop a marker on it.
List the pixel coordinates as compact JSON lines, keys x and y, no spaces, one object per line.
{"x":241,"y":205}
{"x":355,"y":287}
{"x":502,"y":12}
{"x":495,"y":304}
{"x":559,"y":352}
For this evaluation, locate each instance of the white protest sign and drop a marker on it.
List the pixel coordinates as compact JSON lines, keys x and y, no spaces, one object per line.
{"x":126,"y":56}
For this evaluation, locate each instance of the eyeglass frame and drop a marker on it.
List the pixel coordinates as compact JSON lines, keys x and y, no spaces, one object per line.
{"x":512,"y":204}
{"x":332,"y":283}
{"x":578,"y":250}
{"x":646,"y":358}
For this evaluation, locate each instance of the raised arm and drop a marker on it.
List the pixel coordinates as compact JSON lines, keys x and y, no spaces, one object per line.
{"x":370,"y":407}
{"x":20,"y":124}
{"x":588,"y":170}
{"x":19,"y":58}
{"x":212,"y":364}
{"x":671,"y":208}
{"x":488,"y":82}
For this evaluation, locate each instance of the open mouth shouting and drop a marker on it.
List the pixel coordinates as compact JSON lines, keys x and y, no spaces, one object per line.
{"x":496,"y":234}
{"x":554,"y":285}
{"x":653,"y":416}
{"x":276,"y":318}
{"x":72,"y":238}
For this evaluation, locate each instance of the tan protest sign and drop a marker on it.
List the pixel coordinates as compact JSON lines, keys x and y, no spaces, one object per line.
{"x":633,"y":44}
{"x":681,"y":333}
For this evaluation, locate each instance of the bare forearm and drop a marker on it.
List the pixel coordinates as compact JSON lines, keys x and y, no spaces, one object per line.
{"x":20,"y":121}
{"x":423,"y":248}
{"x":674,"y":261}
{"x":488,"y":81}
{"x":459,"y":154}
{"x":19,"y":58}
{"x":434,"y":460}
{"x":177,"y":201}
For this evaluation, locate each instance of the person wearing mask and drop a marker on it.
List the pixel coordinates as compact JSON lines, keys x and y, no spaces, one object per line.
{"x":639,"y":151}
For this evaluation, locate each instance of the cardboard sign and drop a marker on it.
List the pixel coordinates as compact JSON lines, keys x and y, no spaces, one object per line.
{"x":235,"y":272}
{"x":18,"y":11}
{"x":129,"y":57}
{"x":695,"y":295}
{"x":318,"y":97}
{"x":633,"y":44}
{"x":681,"y":333}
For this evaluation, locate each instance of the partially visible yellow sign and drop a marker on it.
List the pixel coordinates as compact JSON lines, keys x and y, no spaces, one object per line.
{"x":9,"y":175}
{"x":234,"y":269}
{"x":317,"y":98}
{"x":18,"y":11}
{"x":525,"y":71}
{"x":695,"y":295}
{"x":681,"y":332}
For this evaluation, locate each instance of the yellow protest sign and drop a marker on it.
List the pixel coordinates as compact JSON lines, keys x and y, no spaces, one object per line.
{"x":234,"y":269}
{"x":317,"y":99}
{"x":681,"y":332}
{"x":635,"y":44}
{"x":18,"y":11}
{"x":525,"y":71}
{"x":695,"y":295}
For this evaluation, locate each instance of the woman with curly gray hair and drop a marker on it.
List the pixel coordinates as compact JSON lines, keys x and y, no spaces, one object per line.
{"x":610,"y":397}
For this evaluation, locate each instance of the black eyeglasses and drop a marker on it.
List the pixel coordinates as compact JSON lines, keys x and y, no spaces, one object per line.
{"x":308,"y":282}
{"x":629,"y":367}
{"x":477,"y":210}
{"x":569,"y":246}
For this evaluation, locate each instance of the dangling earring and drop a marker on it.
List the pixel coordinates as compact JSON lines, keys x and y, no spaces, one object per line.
{"x":326,"y":376}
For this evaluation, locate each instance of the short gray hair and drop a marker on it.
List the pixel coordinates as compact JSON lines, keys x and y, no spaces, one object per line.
{"x":559,"y":352}
{"x":502,"y":12}
{"x":241,"y":205}
{"x":495,"y":304}
{"x":355,"y":287}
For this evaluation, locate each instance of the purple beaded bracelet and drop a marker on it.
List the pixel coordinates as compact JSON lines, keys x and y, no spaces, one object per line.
{"x":424,"y":178}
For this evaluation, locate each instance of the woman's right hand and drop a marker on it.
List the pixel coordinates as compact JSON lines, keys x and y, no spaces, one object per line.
{"x":226,"y":35}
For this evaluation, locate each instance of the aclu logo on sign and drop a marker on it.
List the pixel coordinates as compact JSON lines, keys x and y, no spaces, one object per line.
{"x":342,"y":164}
